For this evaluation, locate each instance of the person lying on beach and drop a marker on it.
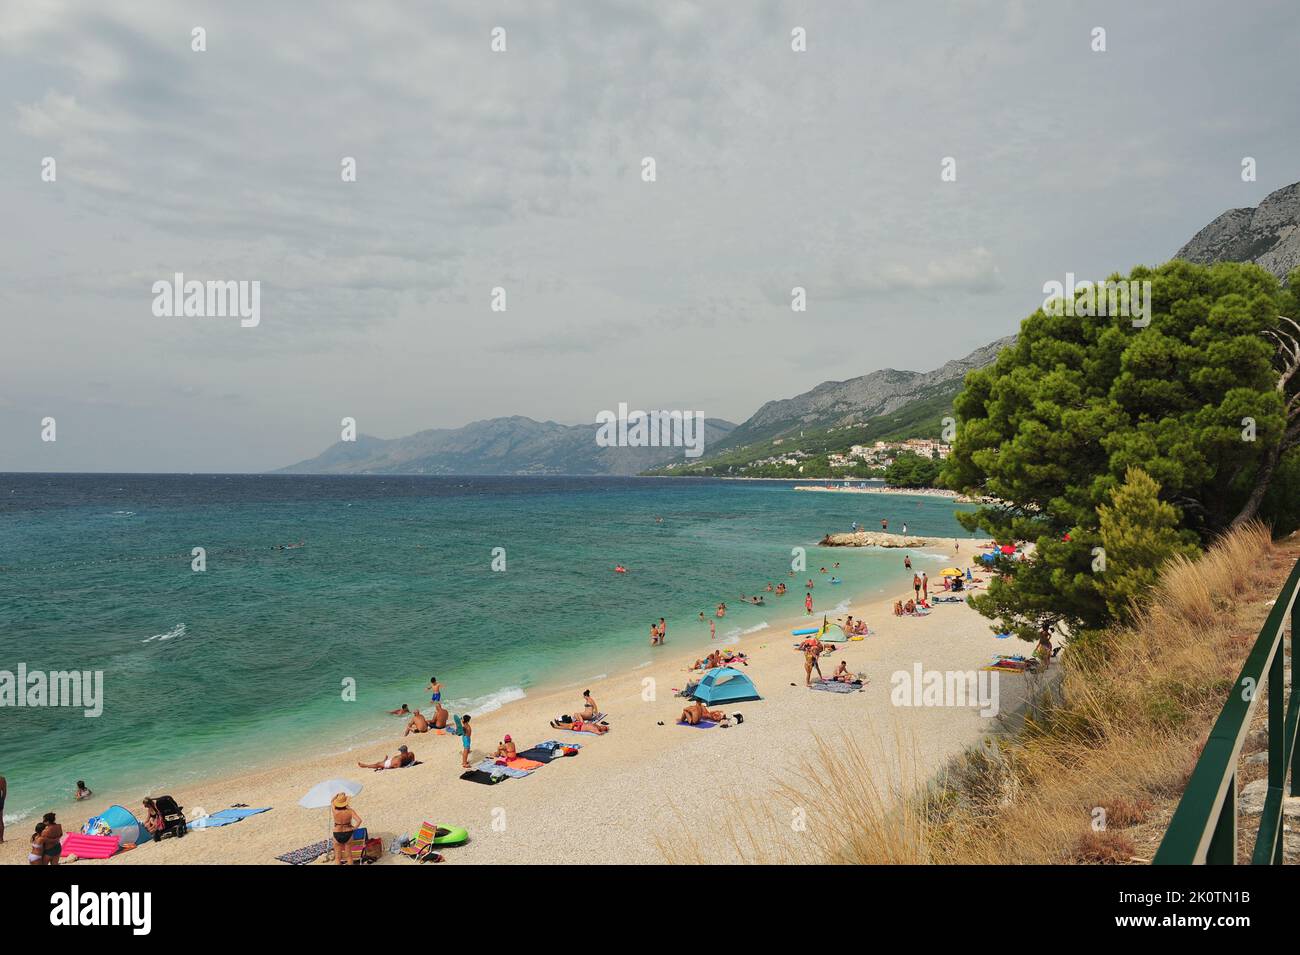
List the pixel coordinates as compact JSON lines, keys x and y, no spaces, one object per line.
{"x":579,"y":726}
{"x":506,"y":749}
{"x":696,"y":712}
{"x":402,"y":710}
{"x":417,"y":724}
{"x":82,"y":791}
{"x":714,"y":659}
{"x":404,"y":757}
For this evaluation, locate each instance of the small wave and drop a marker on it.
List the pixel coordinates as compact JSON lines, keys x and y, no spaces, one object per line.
{"x":176,"y":631}
{"x":755,"y":628}
{"x":123,"y":514}
{"x":491,"y":701}
{"x":842,"y":606}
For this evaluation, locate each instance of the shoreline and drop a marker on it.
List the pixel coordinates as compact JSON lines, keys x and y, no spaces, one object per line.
{"x":635,"y":737}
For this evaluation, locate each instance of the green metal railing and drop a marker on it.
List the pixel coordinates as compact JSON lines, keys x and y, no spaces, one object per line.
{"x":1204,"y":827}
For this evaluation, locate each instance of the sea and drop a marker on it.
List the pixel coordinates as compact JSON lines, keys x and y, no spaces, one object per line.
{"x":322,"y":602}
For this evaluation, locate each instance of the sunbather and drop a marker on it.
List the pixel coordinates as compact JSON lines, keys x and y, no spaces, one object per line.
{"x":696,"y":712}
{"x":440,"y":716}
{"x":506,"y":749}
{"x":842,"y":674}
{"x":588,"y":704}
{"x":579,"y":726}
{"x":404,"y":757}
{"x":417,"y":724}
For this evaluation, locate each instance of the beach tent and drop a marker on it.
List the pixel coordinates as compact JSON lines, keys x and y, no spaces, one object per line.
{"x":118,"y":821}
{"x":725,"y":685}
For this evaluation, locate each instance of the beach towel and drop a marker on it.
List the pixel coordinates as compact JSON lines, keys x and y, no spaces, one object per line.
{"x":520,"y":764}
{"x":90,"y":847}
{"x":490,"y":767}
{"x":306,"y":854}
{"x":538,"y":754}
{"x":224,"y":818}
{"x":701,"y":725}
{"x":486,"y":778}
{"x":835,"y":686}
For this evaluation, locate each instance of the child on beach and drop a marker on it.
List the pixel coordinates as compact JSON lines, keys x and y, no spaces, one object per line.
{"x":435,"y":690}
{"x":465,"y":734}
{"x":36,"y":854}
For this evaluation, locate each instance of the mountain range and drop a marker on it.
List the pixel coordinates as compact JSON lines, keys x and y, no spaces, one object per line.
{"x":883,"y":404}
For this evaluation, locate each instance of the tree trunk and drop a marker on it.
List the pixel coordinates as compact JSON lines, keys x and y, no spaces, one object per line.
{"x":1262,"y":481}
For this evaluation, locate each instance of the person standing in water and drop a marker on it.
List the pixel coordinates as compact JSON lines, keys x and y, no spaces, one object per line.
{"x":907,"y":562}
{"x":663,"y":631}
{"x":435,"y":690}
{"x":807,"y":603}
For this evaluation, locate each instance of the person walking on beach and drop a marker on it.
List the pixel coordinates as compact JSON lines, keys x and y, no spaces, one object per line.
{"x":925,"y":585}
{"x":807,"y":603}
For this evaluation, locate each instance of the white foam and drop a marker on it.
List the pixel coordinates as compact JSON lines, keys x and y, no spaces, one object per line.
{"x":756,"y":627}
{"x":842,"y":606}
{"x":492,"y":701}
{"x":176,"y":631}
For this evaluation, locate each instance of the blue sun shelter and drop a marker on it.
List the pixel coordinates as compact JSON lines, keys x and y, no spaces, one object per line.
{"x":120,"y":822}
{"x":725,"y":685}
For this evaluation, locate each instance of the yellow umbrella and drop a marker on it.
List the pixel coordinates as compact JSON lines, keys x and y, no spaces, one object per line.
{"x":950,"y":572}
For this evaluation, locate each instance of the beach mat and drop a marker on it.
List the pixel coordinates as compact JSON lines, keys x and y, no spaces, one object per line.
{"x":306,"y":854}
{"x":491,"y":767}
{"x":224,"y":818}
{"x":90,"y":847}
{"x":835,"y":686}
{"x":479,"y":776}
{"x":701,"y":725}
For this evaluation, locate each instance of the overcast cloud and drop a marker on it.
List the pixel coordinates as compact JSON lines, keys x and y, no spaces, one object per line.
{"x":523,"y":170}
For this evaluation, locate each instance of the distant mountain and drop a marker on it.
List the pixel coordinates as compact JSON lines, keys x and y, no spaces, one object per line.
{"x":515,"y":445}
{"x":1268,"y":235}
{"x":836,"y":404}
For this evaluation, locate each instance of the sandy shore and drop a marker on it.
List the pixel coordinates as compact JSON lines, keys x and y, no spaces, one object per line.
{"x":641,"y":784}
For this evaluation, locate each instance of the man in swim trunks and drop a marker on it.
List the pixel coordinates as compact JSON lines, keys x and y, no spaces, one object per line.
{"x":440,"y":716}
{"x":417,"y":724}
{"x":404,"y":757}
{"x":435,"y":690}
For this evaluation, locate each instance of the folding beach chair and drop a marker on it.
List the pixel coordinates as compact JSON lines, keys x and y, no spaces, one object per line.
{"x":362,"y":849}
{"x":421,"y":848}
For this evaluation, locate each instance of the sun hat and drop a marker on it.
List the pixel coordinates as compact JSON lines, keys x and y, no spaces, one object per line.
{"x":341,"y":801}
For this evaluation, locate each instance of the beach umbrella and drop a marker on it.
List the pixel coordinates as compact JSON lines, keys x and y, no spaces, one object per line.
{"x":322,"y":795}
{"x":950,"y":572}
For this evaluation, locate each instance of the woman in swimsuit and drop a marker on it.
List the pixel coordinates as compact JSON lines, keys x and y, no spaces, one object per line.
{"x":346,"y":821}
{"x":36,"y":854}
{"x":52,"y":835}
{"x":153,"y":820}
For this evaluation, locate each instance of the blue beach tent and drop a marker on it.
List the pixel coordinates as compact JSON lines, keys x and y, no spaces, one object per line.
{"x":119,"y":822}
{"x":725,"y":685}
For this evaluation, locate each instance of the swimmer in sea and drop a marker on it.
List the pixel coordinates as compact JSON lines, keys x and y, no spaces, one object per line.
{"x":400,"y":711}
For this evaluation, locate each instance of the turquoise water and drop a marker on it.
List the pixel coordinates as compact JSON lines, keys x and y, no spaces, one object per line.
{"x":208,"y":671}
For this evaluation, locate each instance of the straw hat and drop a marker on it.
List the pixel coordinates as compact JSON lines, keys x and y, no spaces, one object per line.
{"x":341,"y":801}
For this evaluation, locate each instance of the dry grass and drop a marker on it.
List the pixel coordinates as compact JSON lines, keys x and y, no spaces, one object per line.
{"x":1120,"y":734}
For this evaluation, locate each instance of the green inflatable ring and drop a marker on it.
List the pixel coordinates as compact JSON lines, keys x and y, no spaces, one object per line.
{"x":456,"y":836}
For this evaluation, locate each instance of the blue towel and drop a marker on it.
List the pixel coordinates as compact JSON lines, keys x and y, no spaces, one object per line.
{"x":224,"y":818}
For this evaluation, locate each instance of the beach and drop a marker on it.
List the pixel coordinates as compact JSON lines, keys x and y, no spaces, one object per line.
{"x":633,"y":792}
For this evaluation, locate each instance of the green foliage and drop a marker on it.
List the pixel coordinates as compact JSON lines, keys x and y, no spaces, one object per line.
{"x":1139,"y":532}
{"x":1052,"y":427}
{"x":912,"y":470}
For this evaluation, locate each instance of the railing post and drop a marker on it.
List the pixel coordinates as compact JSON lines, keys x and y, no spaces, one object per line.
{"x":1223,"y":844}
{"x":1295,"y":750}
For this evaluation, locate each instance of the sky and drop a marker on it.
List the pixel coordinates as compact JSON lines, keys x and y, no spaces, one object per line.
{"x":523,"y":169}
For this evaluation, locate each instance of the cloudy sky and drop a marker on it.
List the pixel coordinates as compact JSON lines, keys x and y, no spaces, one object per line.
{"x":522,"y":169}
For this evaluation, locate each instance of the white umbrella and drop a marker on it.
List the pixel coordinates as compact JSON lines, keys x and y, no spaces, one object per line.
{"x":322,"y":795}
